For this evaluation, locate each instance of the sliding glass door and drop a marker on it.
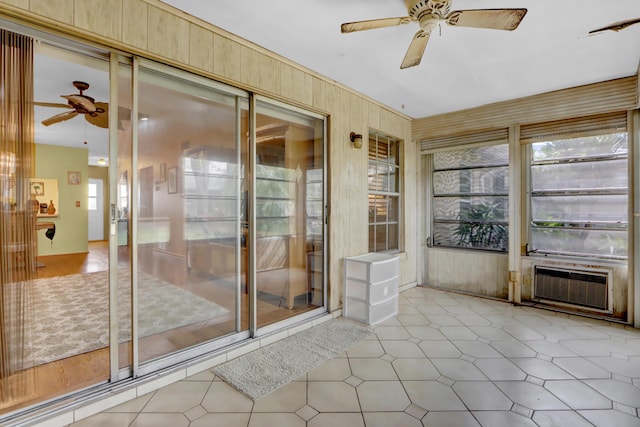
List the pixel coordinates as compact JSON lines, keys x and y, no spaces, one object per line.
{"x":214,"y":226}
{"x":289,"y":212}
{"x":187,"y":226}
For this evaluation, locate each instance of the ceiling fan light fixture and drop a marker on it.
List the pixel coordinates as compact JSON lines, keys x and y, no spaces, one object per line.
{"x":429,"y":23}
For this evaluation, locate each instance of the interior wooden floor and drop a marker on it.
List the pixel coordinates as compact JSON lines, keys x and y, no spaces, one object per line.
{"x":60,"y":377}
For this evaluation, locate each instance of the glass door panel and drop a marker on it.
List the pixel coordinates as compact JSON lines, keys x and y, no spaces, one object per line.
{"x":289,"y":201}
{"x":120,"y":189}
{"x":188,"y":226}
{"x":55,"y":325}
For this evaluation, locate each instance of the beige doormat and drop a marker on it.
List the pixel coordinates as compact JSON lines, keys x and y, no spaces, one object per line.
{"x":262,"y":371}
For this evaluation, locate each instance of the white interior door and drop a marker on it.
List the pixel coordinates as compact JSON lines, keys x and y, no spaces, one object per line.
{"x":96,"y":209}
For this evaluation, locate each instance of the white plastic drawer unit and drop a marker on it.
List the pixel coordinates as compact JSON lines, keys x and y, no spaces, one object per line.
{"x":371,"y":287}
{"x":372,"y":268}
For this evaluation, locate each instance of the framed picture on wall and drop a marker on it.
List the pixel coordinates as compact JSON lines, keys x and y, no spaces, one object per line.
{"x":172,"y":180}
{"x":37,"y":188}
{"x":73,"y":178}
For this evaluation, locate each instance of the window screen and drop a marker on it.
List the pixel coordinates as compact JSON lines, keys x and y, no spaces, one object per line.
{"x":471,"y":198}
{"x":579,"y":201}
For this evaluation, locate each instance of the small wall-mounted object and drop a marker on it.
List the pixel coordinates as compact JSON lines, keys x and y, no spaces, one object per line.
{"x":356,"y":139}
{"x":73,"y":178}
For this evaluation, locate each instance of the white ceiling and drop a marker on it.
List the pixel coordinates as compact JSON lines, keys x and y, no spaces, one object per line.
{"x":462,"y":68}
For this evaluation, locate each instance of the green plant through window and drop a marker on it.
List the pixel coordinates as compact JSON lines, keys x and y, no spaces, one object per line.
{"x":480,"y":230}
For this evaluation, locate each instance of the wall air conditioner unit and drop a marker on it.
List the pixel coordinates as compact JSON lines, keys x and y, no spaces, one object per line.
{"x":582,"y":288}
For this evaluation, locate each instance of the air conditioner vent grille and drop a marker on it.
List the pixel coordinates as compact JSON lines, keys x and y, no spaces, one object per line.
{"x":582,"y":288}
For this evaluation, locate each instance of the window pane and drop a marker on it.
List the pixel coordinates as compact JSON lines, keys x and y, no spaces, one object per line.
{"x":393,"y":238}
{"x":609,"y":174}
{"x":209,"y":185}
{"x":470,"y":157}
{"x":582,"y":241}
{"x":372,"y":238}
{"x":381,"y":238}
{"x":314,"y":190}
{"x":210,"y":229}
{"x":580,"y":214}
{"x":383,"y":177}
{"x":379,"y":149}
{"x":273,"y":188}
{"x":373,"y":203}
{"x":93,"y":203}
{"x":375,"y":177}
{"x":598,"y":208}
{"x":602,"y":145}
{"x":314,"y":227}
{"x":393,"y":214}
{"x":472,"y":235}
{"x":275,"y":208}
{"x":382,"y":209}
{"x":393,"y":152}
{"x":93,"y":190}
{"x":471,"y":208}
{"x":486,"y":180}
{"x":471,"y":198}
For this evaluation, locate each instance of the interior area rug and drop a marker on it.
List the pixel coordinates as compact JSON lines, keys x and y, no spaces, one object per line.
{"x":262,"y":371}
{"x":71,"y":313}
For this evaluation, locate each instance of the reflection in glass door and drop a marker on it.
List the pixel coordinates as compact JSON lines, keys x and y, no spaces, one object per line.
{"x":289,"y":213}
{"x":54,"y":327}
{"x":188,"y":233}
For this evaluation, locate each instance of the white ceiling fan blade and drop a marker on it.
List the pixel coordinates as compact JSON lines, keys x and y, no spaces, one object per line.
{"x":496,"y":19}
{"x":60,"y":117}
{"x":350,"y":27}
{"x":416,"y":50}
{"x":51,"y":104}
{"x":616,"y":26}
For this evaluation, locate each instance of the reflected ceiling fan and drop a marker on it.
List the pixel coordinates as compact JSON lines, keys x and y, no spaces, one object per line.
{"x":616,"y":26}
{"x":430,"y":13}
{"x":94,"y":112}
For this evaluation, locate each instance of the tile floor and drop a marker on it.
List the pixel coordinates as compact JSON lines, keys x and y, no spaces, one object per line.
{"x":445,"y":360}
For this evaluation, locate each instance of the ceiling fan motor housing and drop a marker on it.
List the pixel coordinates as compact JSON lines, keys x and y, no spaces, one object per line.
{"x":419,"y":8}
{"x":429,"y":13}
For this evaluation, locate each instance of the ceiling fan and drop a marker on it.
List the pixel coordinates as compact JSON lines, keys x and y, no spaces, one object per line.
{"x":430,"y":13}
{"x":79,"y":103}
{"x":616,"y":26}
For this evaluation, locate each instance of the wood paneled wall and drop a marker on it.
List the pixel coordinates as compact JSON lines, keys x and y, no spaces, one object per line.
{"x":159,"y":32}
{"x":480,"y":273}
